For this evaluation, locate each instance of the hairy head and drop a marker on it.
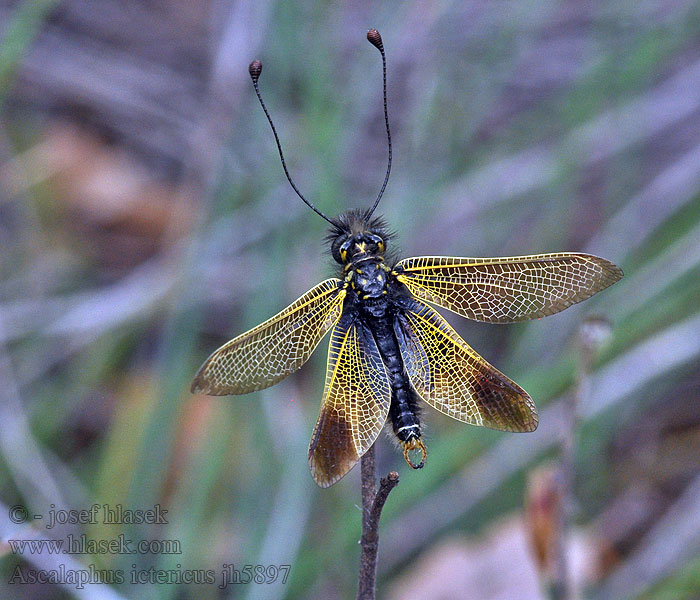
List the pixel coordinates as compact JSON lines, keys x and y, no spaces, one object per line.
{"x":356,"y":233}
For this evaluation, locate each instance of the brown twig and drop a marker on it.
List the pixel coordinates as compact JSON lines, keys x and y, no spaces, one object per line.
{"x":373,"y":500}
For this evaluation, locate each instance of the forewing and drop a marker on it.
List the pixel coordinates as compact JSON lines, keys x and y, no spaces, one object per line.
{"x":451,"y":377}
{"x":355,"y":404}
{"x":269,"y":352}
{"x":504,"y":290}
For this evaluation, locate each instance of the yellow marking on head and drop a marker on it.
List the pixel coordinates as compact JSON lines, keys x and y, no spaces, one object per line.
{"x":380,"y":245}
{"x":359,"y":270}
{"x":343,"y":255}
{"x":362,"y":247}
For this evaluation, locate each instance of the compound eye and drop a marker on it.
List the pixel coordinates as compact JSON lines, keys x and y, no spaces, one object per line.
{"x":344,"y":249}
{"x":378,"y":241}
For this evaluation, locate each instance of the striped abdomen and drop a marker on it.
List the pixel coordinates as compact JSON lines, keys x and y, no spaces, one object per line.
{"x":404,"y":411}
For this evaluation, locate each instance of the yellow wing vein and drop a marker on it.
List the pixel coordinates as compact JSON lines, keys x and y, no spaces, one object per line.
{"x":508,"y":289}
{"x":458,"y":382}
{"x":355,"y":404}
{"x":510,"y":260}
{"x":277,"y":347}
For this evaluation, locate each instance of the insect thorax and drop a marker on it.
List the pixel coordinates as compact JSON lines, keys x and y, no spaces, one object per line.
{"x":368,"y":280}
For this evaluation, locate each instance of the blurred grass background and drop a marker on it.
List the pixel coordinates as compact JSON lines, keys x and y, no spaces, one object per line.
{"x":145,"y":219}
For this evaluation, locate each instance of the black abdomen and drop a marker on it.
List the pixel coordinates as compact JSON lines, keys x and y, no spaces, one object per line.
{"x":403,"y":411}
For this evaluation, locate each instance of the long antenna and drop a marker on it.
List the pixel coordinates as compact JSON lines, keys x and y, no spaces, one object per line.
{"x":255,"y":68}
{"x":376,"y":40}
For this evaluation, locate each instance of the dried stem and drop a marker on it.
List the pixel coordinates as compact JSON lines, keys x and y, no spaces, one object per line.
{"x":591,"y":335}
{"x":373,"y":500}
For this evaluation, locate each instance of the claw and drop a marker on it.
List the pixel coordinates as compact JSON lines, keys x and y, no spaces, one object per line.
{"x":410,"y":446}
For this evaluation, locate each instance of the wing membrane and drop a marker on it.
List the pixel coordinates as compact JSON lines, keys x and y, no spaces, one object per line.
{"x":504,"y":290}
{"x":451,"y":377}
{"x":269,"y":352}
{"x":355,"y":404}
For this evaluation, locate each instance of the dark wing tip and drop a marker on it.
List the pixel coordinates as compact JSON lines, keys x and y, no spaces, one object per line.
{"x":505,"y":406}
{"x":326,"y":476}
{"x":196,"y":387}
{"x":322,"y":481}
{"x":525,"y":418}
{"x":616,"y":273}
{"x":202,"y":385}
{"x":532,"y":425}
{"x":199,"y":384}
{"x":611,"y":273}
{"x":332,"y":453}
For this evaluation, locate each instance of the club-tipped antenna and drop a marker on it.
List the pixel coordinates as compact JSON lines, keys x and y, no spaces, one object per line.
{"x":255,"y":68}
{"x":376,"y":40}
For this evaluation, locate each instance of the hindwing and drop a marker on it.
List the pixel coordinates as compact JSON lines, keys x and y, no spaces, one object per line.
{"x":451,"y":377}
{"x":355,"y":405}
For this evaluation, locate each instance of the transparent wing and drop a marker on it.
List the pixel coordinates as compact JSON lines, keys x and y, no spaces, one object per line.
{"x":504,"y":290}
{"x":269,"y":352}
{"x":451,"y":377}
{"x":355,"y":404}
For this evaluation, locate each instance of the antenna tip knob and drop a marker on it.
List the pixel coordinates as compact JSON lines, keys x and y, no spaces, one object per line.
{"x":255,"y":68}
{"x":374,"y":38}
